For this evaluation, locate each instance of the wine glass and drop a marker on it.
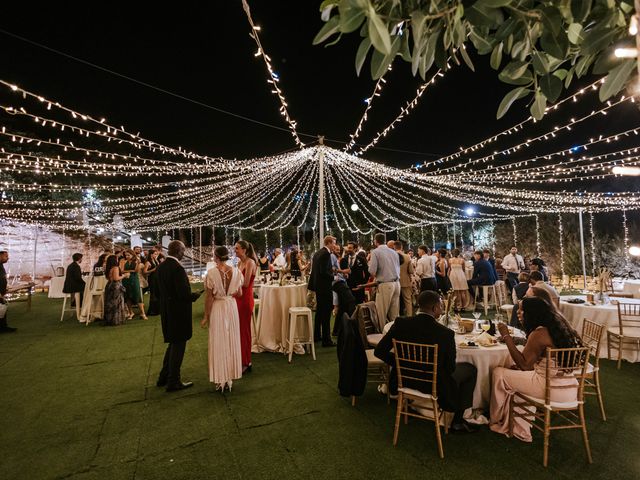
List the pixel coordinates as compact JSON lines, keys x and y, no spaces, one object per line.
{"x":485,"y":325}
{"x":476,"y":315}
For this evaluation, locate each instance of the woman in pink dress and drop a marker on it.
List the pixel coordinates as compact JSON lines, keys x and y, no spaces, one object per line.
{"x":247,"y":266}
{"x":544,"y":330}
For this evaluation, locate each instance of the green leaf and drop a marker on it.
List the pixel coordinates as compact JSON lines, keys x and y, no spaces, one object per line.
{"x":380,"y":65}
{"x":483,"y":16}
{"x":328,"y":3}
{"x":580,"y":10}
{"x":417,"y":27}
{"x":575,"y":33}
{"x":540,"y":63}
{"x":555,"y":45}
{"x":493,"y":3}
{"x":441,"y":52}
{"x":507,"y":28}
{"x":378,"y":32}
{"x":598,"y":39}
{"x":351,"y":16}
{"x":539,"y":105}
{"x":551,"y":86}
{"x":561,"y":73}
{"x":361,"y":55}
{"x":405,"y":52}
{"x":583,"y":65}
{"x":615,"y":81}
{"x":514,"y":69}
{"x":508,"y":100}
{"x":465,"y":57}
{"x":569,"y":77}
{"x":483,"y":46}
{"x":525,"y":79}
{"x":330,"y":28}
{"x":496,"y":56}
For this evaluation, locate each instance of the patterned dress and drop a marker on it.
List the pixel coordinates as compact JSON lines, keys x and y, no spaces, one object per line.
{"x":115,"y":310}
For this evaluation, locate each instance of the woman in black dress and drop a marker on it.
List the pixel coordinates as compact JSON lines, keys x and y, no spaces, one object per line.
{"x":263,"y":264}
{"x":150,"y":267}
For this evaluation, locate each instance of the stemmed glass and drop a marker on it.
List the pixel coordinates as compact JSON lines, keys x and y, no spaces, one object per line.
{"x":476,"y":315}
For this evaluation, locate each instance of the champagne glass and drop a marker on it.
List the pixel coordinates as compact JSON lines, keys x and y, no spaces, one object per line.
{"x":476,"y":315}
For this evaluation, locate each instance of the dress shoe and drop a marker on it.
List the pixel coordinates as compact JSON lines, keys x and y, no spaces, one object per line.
{"x":463,"y":427}
{"x":162,"y":382}
{"x":328,"y":344}
{"x":7,"y":329}
{"x":179,"y":386}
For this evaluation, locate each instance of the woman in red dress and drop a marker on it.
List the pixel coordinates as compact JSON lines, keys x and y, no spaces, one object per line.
{"x":248,"y":264}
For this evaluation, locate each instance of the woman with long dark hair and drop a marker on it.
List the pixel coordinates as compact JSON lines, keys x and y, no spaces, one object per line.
{"x":115,"y":309}
{"x":544,"y":329}
{"x":150,"y":267}
{"x":248,"y":267}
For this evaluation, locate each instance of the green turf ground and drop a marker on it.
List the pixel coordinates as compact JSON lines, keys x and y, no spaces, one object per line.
{"x":81,"y":402}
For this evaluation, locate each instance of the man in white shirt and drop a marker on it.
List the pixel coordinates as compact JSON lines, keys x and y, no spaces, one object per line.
{"x":279,"y":262}
{"x":536,"y":280}
{"x":426,"y":269}
{"x":513,"y":264}
{"x":384,"y":266}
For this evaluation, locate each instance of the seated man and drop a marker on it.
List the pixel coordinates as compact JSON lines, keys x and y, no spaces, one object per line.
{"x":73,"y":282}
{"x":456,"y":382}
{"x":537,"y":280}
{"x":482,"y":272}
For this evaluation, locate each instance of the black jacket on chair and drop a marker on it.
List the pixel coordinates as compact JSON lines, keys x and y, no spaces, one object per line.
{"x":321,"y":271}
{"x":174,"y":292}
{"x":352,"y":359}
{"x":73,"y":281}
{"x":424,"y":329}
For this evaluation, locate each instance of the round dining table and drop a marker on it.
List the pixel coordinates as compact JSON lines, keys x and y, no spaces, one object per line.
{"x":606,"y":315}
{"x":271,"y":329}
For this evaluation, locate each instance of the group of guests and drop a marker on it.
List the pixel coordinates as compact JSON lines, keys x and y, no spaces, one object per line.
{"x":228,"y":309}
{"x":128,"y":275}
{"x":294,"y":262}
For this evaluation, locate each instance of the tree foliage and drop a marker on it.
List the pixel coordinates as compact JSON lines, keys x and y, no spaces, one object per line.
{"x":539,"y":46}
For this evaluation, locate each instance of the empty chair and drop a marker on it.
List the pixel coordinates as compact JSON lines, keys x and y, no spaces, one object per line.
{"x":591,"y":337}
{"x":295,"y":314}
{"x":625,"y":336}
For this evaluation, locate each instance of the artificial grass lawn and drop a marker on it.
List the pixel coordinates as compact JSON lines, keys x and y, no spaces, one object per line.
{"x":81,"y":403}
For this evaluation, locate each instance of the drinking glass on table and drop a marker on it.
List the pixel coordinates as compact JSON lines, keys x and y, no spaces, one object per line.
{"x":476,"y":315}
{"x":485,"y":325}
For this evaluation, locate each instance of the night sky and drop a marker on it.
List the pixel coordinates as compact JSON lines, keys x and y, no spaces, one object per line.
{"x":204,"y":52}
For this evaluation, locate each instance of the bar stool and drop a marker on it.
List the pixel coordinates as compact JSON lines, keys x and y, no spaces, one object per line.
{"x":485,"y":296}
{"x":294,"y":314}
{"x":70,"y":309}
{"x":97,"y":290}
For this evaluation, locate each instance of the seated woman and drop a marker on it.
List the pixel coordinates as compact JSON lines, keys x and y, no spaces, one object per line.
{"x":544,"y":330}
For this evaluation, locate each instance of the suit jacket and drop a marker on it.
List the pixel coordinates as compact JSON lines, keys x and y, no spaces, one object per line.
{"x":406,"y":270}
{"x":359,"y":270}
{"x":482,"y":273}
{"x":73,"y":281}
{"x":494,"y":272}
{"x":175,"y":297}
{"x":3,"y":280}
{"x":321,"y":276}
{"x":352,"y":359}
{"x":424,"y":329}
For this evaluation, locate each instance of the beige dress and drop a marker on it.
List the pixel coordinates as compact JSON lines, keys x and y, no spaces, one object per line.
{"x":531,"y":383}
{"x":225,"y":358}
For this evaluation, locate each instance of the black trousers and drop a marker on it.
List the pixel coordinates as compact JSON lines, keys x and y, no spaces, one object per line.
{"x":172,"y":362}
{"x":428,"y":283}
{"x":465,"y":376}
{"x":324,"y":306}
{"x":512,"y":280}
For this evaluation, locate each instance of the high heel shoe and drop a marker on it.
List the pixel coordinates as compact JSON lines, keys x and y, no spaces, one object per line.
{"x":144,"y":317}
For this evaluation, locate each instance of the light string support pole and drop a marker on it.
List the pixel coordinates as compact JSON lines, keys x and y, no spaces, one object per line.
{"x":321,"y":190}
{"x":584,"y":261}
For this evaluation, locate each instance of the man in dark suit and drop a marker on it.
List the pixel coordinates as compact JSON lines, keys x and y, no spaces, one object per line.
{"x":358,"y":270}
{"x":320,"y":281}
{"x":73,"y":282}
{"x":175,"y":297}
{"x":482,"y":272}
{"x":456,"y":381}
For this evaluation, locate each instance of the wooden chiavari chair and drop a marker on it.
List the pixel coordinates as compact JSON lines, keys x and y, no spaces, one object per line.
{"x":591,"y":337}
{"x":626,"y":336}
{"x":561,"y":363}
{"x":417,"y":365}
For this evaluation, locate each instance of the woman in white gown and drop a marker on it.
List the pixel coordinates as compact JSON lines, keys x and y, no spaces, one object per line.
{"x":222,"y":284}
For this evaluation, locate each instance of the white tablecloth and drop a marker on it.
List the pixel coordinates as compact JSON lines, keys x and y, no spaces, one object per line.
{"x":632,"y":286}
{"x":485,"y":360}
{"x":606,"y":315}
{"x":55,"y":287}
{"x":272,"y":324}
